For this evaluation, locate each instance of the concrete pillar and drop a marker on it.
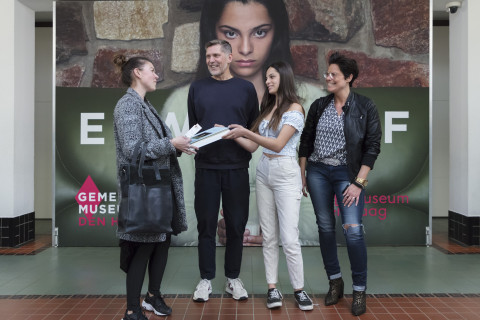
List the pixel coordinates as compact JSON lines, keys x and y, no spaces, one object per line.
{"x":17,"y":35}
{"x":464,"y":211}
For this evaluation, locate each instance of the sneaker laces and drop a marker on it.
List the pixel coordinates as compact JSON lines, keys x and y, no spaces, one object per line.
{"x":236,"y":283}
{"x":302,"y":296}
{"x":203,"y":284}
{"x":160,"y":298}
{"x":274,"y":294}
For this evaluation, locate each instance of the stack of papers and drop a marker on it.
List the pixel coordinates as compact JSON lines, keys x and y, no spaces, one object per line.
{"x":208,"y":136}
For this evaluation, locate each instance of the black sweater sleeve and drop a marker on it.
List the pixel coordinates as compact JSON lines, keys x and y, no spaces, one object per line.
{"x":192,"y":118}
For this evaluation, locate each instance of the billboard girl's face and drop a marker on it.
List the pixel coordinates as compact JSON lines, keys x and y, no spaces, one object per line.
{"x":250,"y":30}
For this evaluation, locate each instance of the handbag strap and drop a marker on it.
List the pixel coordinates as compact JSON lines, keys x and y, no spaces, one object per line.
{"x":136,"y":152}
{"x":142,"y":160}
{"x":141,"y":150}
{"x":141,"y":163}
{"x":156,"y":169}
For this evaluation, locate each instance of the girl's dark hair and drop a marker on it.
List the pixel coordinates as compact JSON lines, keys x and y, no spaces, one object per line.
{"x":346,"y":65}
{"x":285,"y":96}
{"x":212,"y":11}
{"x":128,"y":65}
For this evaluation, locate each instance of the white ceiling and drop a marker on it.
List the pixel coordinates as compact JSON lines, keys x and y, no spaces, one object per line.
{"x":439,"y":5}
{"x":39,"y":5}
{"x":47,"y":5}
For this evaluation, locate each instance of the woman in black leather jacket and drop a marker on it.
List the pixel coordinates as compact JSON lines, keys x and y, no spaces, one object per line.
{"x":338,"y":148}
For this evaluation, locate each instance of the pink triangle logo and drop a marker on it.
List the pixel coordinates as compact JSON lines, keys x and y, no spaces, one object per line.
{"x":89,"y":197}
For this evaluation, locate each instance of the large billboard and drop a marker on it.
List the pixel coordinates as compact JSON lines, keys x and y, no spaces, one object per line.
{"x":390,"y":46}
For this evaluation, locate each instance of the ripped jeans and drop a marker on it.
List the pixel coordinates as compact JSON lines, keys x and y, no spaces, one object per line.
{"x":324,"y":183}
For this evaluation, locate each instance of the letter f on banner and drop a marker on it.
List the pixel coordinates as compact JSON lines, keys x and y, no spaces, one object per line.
{"x":390,"y":127}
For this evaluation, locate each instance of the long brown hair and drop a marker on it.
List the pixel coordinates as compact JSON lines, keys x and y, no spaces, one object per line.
{"x":286,"y":95}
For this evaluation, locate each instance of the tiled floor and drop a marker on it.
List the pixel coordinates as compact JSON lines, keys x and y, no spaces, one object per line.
{"x":41,"y":282}
{"x":41,"y":242}
{"x":381,"y":307}
{"x":441,"y":241}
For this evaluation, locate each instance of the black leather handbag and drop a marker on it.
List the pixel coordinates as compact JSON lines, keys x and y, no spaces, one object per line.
{"x":147,"y":202}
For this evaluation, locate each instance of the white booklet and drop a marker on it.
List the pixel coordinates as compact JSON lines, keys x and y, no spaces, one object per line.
{"x":193,"y":131}
{"x":208,"y":136}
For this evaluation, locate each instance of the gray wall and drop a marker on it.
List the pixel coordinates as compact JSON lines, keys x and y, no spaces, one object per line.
{"x":43,"y":123}
{"x":440,"y":123}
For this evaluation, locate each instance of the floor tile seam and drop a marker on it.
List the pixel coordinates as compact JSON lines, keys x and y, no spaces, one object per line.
{"x":219,"y":311}
{"x":455,"y":311}
{"x":432,"y":304}
{"x":190,"y":302}
{"x":424,"y":297}
{"x":24,"y":251}
{"x":227,"y":296}
{"x":184,"y":314}
{"x":60,"y":296}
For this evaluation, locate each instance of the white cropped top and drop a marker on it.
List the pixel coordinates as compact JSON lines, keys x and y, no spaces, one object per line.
{"x":293,"y":118}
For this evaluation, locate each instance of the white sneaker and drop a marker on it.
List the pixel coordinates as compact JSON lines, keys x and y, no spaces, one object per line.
{"x":203,"y":290}
{"x":236,"y":289}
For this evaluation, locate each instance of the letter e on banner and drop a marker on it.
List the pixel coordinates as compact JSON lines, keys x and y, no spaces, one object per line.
{"x":85,"y":128}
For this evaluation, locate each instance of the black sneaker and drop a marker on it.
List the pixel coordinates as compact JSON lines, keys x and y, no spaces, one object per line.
{"x":136,"y":315}
{"x":156,"y":304}
{"x":303,"y":300}
{"x":274,"y":298}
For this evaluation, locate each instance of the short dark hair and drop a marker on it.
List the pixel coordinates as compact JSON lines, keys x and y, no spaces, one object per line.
{"x":348,"y":66}
{"x":226,"y":47}
{"x":127,"y":65}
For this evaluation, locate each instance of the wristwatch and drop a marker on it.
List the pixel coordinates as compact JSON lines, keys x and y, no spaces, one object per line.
{"x":362,"y":182}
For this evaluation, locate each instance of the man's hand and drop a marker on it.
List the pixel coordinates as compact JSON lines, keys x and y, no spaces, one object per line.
{"x":252,"y":240}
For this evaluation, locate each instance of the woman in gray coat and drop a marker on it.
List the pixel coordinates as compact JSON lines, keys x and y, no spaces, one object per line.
{"x":135,"y":119}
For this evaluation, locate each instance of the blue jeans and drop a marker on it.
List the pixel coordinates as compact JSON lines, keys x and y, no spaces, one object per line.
{"x":324,"y":183}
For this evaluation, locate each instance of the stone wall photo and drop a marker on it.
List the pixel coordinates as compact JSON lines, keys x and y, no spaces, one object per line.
{"x":389,"y":39}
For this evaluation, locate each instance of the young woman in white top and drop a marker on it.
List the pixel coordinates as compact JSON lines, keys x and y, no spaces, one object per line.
{"x":278,"y":179}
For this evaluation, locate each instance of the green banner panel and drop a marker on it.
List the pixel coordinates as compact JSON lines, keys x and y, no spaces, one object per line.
{"x":396,"y":210}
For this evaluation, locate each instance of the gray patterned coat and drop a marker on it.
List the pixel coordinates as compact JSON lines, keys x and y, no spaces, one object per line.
{"x":135,"y":119}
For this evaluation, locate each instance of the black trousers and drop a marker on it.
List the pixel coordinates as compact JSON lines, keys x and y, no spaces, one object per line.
{"x":232,"y":185}
{"x":154,"y":255}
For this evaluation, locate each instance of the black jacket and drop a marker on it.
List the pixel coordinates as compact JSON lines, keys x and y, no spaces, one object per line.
{"x":362,"y":128}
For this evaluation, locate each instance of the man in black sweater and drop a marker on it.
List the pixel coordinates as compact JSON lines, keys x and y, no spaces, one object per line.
{"x":221,"y":168}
